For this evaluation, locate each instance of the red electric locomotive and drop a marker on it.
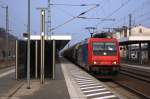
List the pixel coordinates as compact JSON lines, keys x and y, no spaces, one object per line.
{"x":100,"y":56}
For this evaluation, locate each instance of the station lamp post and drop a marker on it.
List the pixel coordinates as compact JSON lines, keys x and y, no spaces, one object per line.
{"x":42,"y":43}
{"x":42,"y":28}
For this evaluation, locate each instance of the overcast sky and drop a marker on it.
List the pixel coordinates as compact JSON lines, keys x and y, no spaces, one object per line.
{"x":111,"y":9}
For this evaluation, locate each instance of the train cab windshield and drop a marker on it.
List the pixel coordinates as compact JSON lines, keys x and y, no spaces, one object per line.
{"x":104,"y":48}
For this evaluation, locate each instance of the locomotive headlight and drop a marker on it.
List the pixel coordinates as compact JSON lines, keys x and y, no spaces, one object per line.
{"x":95,"y":62}
{"x":114,"y":62}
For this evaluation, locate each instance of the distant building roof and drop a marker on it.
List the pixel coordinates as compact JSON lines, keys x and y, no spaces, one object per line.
{"x":138,"y":34}
{"x":140,"y":30}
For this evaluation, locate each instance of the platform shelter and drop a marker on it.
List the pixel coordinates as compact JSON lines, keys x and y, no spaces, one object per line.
{"x":42,"y":60}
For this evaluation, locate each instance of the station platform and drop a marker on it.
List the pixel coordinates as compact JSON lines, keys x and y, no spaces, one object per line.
{"x":144,"y":67}
{"x":81,"y":85}
{"x":134,"y":63}
{"x":51,"y":89}
{"x":141,"y":67}
{"x":71,"y":82}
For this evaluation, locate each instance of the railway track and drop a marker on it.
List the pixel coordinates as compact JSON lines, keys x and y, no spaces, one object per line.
{"x":134,"y":79}
{"x":138,"y":73}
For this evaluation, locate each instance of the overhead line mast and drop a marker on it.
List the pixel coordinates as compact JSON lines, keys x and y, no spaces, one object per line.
{"x":49,"y":33}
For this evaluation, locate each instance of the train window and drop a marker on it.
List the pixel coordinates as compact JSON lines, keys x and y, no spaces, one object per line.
{"x":99,"y":48}
{"x":110,"y":46}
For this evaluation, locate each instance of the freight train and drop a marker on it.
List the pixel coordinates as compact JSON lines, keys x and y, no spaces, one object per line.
{"x":99,"y":55}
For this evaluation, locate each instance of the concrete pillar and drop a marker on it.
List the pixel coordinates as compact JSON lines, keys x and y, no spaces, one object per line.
{"x":140,"y":53}
{"x":36,"y":59}
{"x":127,"y":52}
{"x":16,"y":68}
{"x":54,"y":58}
{"x":149,"y":51}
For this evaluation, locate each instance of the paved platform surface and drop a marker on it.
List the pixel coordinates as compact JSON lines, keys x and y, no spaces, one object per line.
{"x":81,"y":85}
{"x":51,"y":89}
{"x":7,"y":82}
